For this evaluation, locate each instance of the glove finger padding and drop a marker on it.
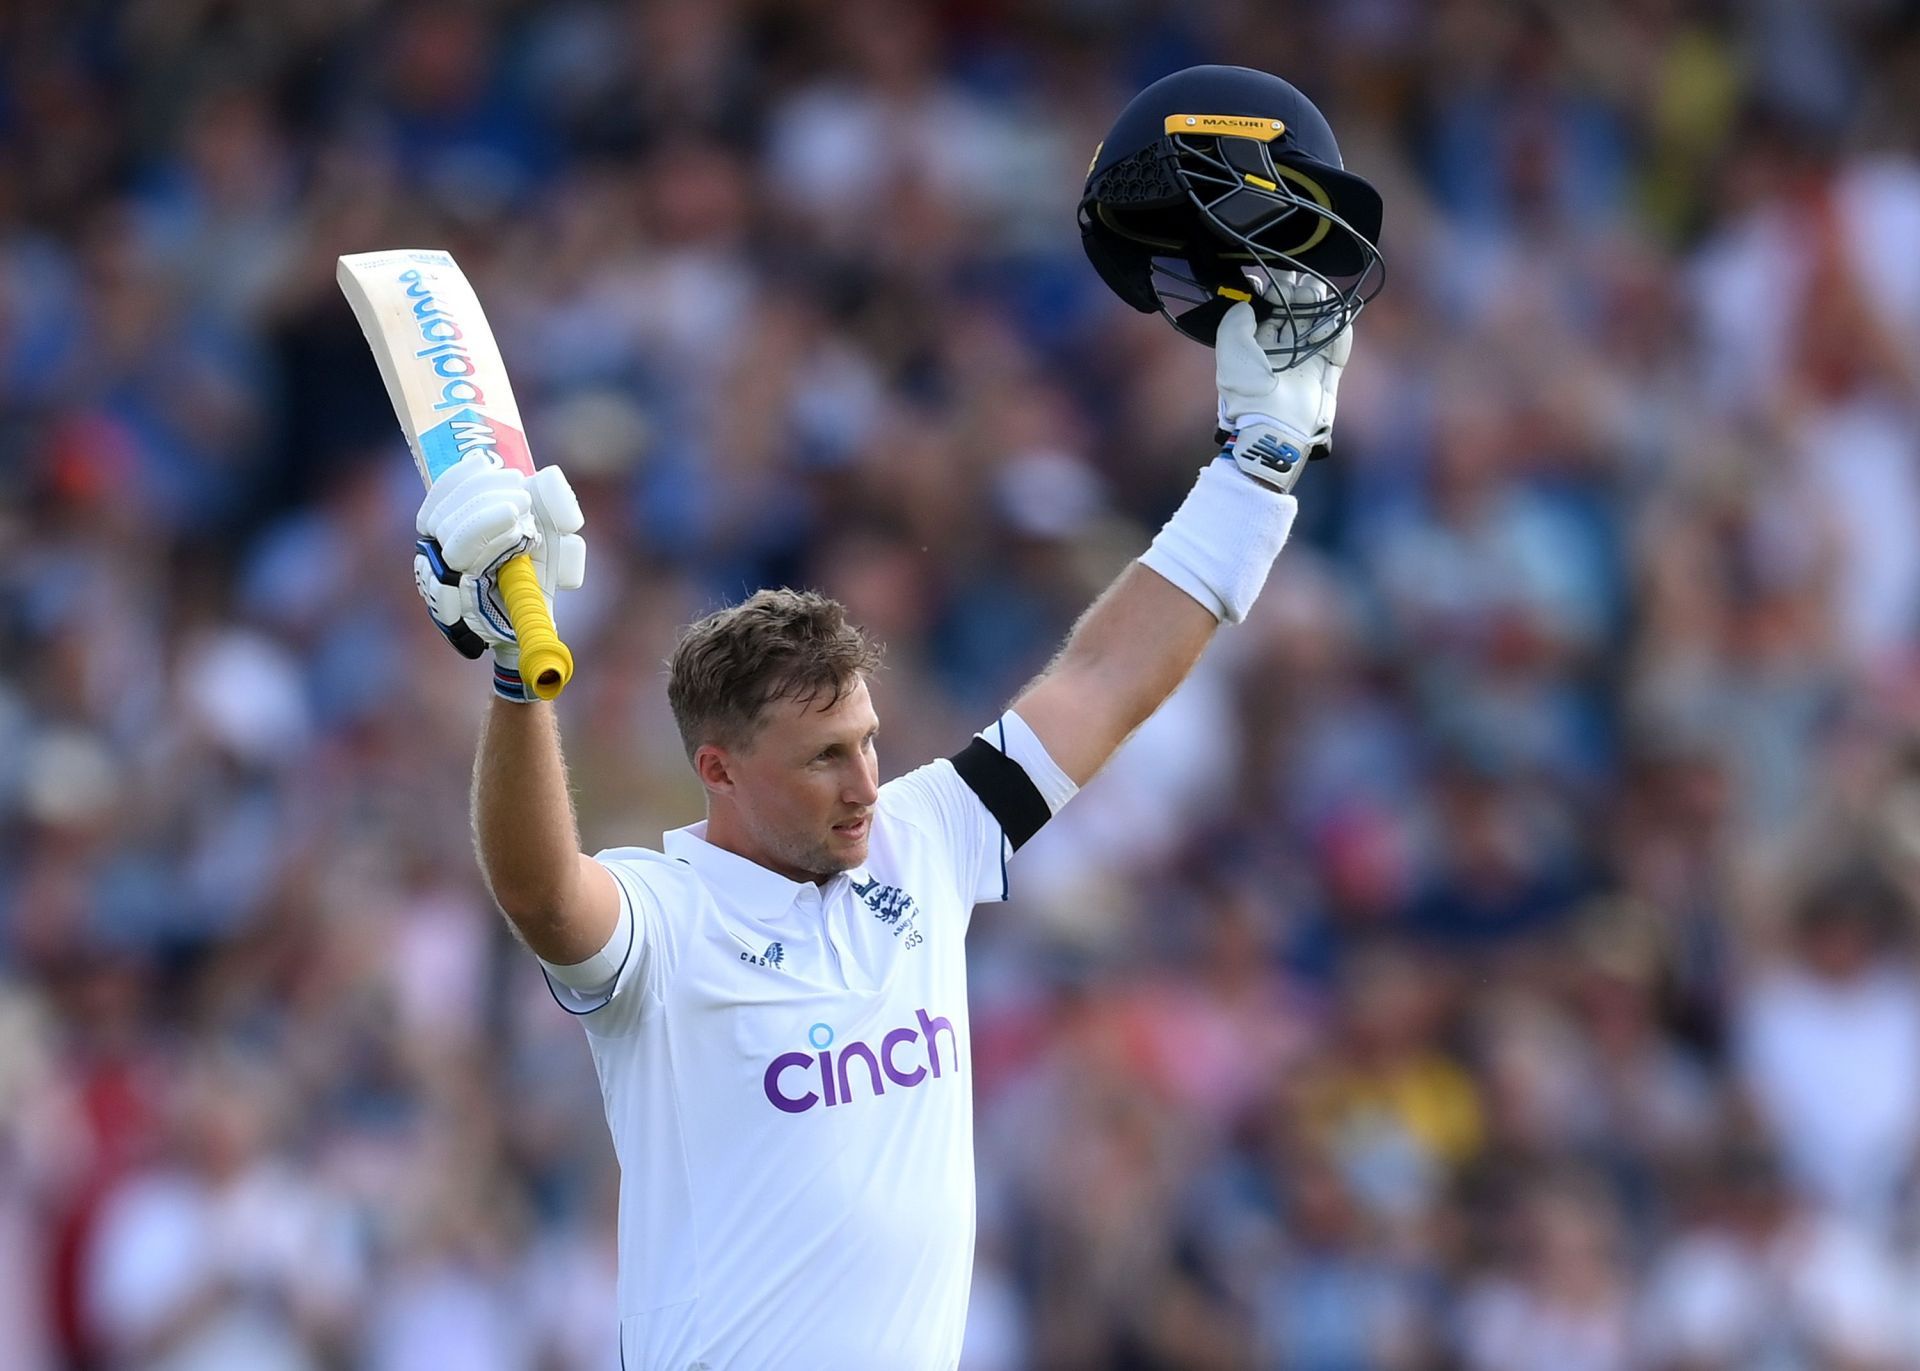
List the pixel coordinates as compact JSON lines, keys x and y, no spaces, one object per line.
{"x":1298,"y":314}
{"x":561,"y":557}
{"x":479,"y":512}
{"x":472,"y":475}
{"x":555,"y":502}
{"x":561,"y":563}
{"x":1336,"y":355}
{"x":1240,"y":364}
{"x":1275,"y":418}
{"x":480,"y":535}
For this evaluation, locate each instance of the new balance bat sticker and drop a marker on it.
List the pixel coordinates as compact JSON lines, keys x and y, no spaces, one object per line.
{"x":449,"y":388}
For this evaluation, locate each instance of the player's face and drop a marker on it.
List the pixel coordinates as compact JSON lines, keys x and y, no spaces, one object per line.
{"x":806,"y":786}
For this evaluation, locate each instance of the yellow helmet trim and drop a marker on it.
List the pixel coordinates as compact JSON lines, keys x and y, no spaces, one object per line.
{"x":1320,"y":198}
{"x":1226,"y":126}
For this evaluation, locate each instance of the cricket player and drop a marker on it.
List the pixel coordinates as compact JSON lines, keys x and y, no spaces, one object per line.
{"x":776,"y":997}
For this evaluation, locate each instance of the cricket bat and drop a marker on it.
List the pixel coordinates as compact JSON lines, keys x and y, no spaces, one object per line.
{"x":449,"y":388}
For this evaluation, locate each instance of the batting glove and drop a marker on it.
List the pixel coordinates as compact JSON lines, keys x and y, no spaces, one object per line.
{"x":1273,"y":420}
{"x":477,"y":516}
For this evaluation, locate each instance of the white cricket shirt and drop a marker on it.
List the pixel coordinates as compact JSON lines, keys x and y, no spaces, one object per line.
{"x":787,"y":1077}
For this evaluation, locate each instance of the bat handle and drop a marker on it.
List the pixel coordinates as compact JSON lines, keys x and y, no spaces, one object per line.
{"x":545,"y":663}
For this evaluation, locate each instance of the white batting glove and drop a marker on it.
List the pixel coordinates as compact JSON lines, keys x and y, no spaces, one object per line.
{"x":1275,"y":419}
{"x":477,"y":516}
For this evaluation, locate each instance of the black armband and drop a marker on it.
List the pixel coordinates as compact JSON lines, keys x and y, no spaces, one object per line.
{"x":1004,"y":787}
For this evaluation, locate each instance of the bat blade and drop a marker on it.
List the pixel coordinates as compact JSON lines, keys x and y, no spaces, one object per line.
{"x":449,"y":389}
{"x":437,"y":355}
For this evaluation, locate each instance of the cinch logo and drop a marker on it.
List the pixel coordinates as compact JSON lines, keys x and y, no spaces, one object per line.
{"x":897,"y":1060}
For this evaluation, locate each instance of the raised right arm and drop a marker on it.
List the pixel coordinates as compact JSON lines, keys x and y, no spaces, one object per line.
{"x":564,"y":904}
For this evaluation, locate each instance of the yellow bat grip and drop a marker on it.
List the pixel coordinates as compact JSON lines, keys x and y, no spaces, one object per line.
{"x":545,"y":664}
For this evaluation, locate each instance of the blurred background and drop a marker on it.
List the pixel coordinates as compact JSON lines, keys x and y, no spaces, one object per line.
{"x":1499,"y":957}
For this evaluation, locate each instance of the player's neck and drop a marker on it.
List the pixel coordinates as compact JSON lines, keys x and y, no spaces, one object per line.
{"x":726,"y":832}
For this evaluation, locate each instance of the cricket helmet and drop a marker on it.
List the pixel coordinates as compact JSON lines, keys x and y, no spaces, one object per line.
{"x":1212,"y":183}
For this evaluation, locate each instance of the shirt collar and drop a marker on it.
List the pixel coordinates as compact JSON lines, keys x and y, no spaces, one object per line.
{"x":754,"y":886}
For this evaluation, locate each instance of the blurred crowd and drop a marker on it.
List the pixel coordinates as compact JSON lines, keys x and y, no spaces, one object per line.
{"x":1501,"y":955}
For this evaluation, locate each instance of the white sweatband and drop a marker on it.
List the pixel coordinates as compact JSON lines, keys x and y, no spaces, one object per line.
{"x":595,"y":976}
{"x":1221,"y":542}
{"x":1011,"y":736}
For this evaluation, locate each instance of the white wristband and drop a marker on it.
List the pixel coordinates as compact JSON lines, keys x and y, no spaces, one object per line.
{"x":1221,"y":542}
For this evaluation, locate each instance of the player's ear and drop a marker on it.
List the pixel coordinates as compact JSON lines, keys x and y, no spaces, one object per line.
{"x":714,"y":767}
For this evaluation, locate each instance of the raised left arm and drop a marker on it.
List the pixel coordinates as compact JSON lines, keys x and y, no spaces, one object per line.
{"x":1129,"y":651}
{"x":1143,"y":635}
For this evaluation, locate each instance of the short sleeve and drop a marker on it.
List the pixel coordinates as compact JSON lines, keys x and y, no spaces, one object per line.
{"x":966,"y":840}
{"x":645,"y":964}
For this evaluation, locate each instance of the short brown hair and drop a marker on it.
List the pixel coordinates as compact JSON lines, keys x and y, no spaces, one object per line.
{"x":775,"y":645}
